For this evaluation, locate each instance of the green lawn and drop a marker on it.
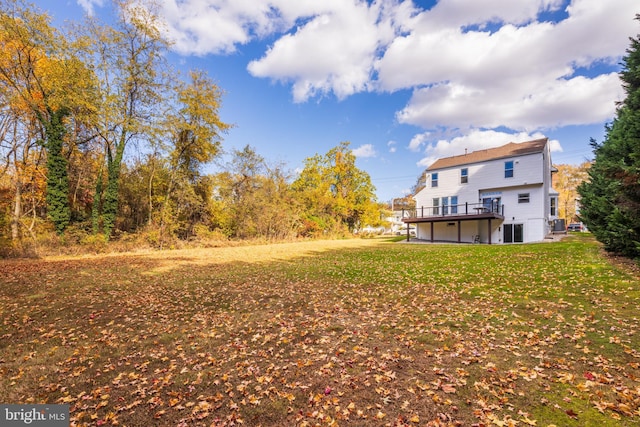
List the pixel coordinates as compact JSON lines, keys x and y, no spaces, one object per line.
{"x":365,"y":334}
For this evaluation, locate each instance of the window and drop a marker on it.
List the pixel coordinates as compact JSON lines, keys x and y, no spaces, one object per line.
{"x":487,"y":203}
{"x":454,"y":204}
{"x":523,"y":198}
{"x":436,"y":206}
{"x":554,"y":208}
{"x":445,"y":205}
{"x":464,"y":175}
{"x":508,"y":169}
{"x":434,"y":179}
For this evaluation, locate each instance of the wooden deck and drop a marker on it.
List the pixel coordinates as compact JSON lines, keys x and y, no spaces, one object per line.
{"x":454,"y":213}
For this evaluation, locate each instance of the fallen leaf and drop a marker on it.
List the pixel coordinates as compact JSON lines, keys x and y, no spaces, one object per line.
{"x":448,"y":388}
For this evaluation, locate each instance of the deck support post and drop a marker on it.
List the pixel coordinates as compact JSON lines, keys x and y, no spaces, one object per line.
{"x":459,"y":231}
{"x":489,"y":230}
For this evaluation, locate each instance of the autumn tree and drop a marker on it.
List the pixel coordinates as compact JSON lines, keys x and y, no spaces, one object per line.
{"x":42,"y":75}
{"x":566,"y":182}
{"x":336,"y":194}
{"x":403,"y":203}
{"x":421,"y":182}
{"x":314,"y":192}
{"x":129,"y":61}
{"x":84,"y":163}
{"x":253,"y":199}
{"x":24,"y":164}
{"x":195,"y":134}
{"x":10,"y":144}
{"x":279,"y":217}
{"x":610,"y":199}
{"x":141,"y":179}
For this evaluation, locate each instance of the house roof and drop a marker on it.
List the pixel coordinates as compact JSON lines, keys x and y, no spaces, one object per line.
{"x":512,"y":149}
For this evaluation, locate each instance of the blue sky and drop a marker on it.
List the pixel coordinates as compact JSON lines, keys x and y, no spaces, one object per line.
{"x":404,"y":82}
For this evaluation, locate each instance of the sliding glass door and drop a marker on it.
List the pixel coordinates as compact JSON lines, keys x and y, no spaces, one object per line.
{"x":513,"y":233}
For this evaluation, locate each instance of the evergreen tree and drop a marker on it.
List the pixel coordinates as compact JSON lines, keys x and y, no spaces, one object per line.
{"x":610,"y":199}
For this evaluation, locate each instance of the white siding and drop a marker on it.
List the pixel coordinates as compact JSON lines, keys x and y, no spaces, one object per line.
{"x":449,"y":233}
{"x":482,"y":176}
{"x":530,"y":215}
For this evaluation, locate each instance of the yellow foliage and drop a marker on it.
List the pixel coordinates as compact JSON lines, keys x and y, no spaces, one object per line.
{"x":566,"y":182}
{"x":39,"y":72}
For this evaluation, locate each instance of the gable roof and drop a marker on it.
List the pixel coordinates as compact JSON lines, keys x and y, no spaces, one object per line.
{"x":510,"y":150}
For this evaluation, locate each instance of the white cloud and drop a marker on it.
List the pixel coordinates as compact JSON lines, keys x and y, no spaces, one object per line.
{"x":88,"y":5}
{"x":304,"y":57}
{"x":575,"y":101}
{"x":201,"y":27}
{"x":321,"y":47}
{"x":365,"y":150}
{"x":459,"y":13}
{"x":218,"y":26}
{"x":392,"y":146}
{"x":476,"y":140}
{"x":334,"y":52}
{"x":418,"y":141}
{"x":520,"y":77}
{"x":554,"y":146}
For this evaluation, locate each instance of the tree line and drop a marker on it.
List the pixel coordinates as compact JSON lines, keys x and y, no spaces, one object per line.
{"x":101,"y":137}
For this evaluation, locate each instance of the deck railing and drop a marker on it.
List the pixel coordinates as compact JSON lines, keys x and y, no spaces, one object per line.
{"x":462,"y":209}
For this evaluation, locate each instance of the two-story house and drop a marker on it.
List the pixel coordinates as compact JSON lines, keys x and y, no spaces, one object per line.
{"x":498,"y":195}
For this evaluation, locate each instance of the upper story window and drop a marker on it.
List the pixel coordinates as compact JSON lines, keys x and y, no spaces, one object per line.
{"x":434,"y":179}
{"x":464,"y":175}
{"x":523,"y":198}
{"x":508,"y":169}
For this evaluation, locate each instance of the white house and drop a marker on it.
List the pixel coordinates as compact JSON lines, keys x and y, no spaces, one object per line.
{"x":499,"y":195}
{"x":400,"y":208}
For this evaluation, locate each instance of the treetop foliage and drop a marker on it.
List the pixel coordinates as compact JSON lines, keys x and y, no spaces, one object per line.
{"x":335,"y":192}
{"x":610,"y":199}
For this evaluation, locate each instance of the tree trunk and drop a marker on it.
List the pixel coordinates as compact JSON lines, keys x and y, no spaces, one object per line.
{"x":165,"y":203}
{"x":96,"y":209}
{"x":150,"y":195}
{"x":110,"y":206}
{"x":17,"y":212}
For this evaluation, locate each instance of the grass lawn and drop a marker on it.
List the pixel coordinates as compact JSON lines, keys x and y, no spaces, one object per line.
{"x":351,"y":332}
